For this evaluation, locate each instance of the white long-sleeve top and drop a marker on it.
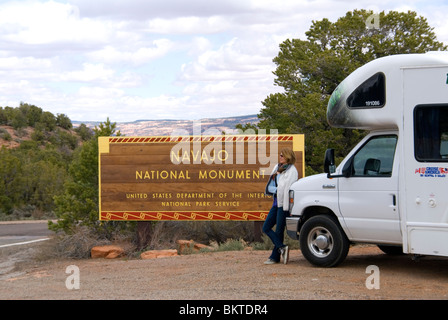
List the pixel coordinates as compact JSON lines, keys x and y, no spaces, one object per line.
{"x":285,"y":180}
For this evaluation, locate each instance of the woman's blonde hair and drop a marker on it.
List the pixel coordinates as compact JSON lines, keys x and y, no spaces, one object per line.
{"x":289,"y":155}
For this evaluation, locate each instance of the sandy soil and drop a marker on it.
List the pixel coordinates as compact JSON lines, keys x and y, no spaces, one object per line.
{"x":236,"y":275}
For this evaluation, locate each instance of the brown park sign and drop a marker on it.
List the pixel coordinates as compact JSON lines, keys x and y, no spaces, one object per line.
{"x":190,"y":177}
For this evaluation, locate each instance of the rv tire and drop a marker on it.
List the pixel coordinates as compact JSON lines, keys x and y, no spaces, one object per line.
{"x":322,"y":241}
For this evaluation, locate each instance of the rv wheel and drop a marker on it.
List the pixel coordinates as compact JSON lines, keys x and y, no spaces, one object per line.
{"x":322,"y":241}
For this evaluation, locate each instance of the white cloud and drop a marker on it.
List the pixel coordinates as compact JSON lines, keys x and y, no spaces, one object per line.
{"x":145,"y":10}
{"x":235,"y":60}
{"x":189,"y":25}
{"x":141,"y":55}
{"x":154,"y":59}
{"x":32,"y":22}
{"x":11,"y":64}
{"x":198,"y":45}
{"x":89,"y":73}
{"x":232,"y":80}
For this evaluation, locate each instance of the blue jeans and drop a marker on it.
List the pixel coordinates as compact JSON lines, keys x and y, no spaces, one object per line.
{"x":277,"y":217}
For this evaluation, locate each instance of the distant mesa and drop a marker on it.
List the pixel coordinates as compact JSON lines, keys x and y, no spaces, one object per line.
{"x":166,"y":127}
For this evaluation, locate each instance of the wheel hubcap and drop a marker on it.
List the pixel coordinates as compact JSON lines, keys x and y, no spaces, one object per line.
{"x":320,"y":242}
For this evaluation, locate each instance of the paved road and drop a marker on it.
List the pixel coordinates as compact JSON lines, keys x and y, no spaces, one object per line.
{"x":16,"y":232}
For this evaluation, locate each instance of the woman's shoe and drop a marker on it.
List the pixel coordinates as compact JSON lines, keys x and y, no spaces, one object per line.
{"x":284,"y":252}
{"x":270,"y":261}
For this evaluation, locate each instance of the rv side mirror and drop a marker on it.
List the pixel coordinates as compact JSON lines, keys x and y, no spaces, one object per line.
{"x":329,"y":166}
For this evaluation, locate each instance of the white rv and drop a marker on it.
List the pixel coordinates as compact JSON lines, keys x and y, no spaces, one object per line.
{"x":392,"y":188}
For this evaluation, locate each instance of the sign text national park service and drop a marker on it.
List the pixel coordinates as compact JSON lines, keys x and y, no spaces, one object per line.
{"x":190,"y":177}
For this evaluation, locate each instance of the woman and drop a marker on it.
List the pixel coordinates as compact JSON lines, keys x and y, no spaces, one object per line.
{"x":281,"y":179}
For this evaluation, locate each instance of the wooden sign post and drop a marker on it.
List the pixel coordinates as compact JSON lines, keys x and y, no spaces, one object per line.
{"x":190,"y":177}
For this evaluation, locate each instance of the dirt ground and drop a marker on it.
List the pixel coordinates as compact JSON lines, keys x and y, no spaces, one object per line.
{"x":232,"y":275}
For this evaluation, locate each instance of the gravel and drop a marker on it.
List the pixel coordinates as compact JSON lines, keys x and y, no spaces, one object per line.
{"x":231,"y":275}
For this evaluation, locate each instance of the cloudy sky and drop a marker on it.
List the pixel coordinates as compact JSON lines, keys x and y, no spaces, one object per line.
{"x":159,"y":59}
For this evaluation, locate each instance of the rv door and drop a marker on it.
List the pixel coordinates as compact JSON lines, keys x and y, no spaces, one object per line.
{"x":425,"y":216}
{"x":368,"y":192}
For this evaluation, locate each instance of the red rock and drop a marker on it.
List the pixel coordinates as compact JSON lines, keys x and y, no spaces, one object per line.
{"x":199,"y":246}
{"x":190,"y":244}
{"x":184,"y":245}
{"x":107,"y":252}
{"x":153,"y":254}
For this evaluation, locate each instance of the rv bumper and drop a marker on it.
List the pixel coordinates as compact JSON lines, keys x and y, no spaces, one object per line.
{"x":292,"y":227}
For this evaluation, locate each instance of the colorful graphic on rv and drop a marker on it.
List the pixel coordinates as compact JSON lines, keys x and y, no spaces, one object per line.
{"x":432,"y":172}
{"x":349,"y":97}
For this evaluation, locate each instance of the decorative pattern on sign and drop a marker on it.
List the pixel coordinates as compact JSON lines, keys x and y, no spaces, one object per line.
{"x":185,"y":215}
{"x":199,"y":139}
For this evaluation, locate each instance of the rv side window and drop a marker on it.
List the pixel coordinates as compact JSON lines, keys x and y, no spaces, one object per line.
{"x":375,"y":158}
{"x":370,"y":94}
{"x":431,"y":133}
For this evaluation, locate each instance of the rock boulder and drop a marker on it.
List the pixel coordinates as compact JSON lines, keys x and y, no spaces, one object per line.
{"x":107,"y":252}
{"x":152,"y":254}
